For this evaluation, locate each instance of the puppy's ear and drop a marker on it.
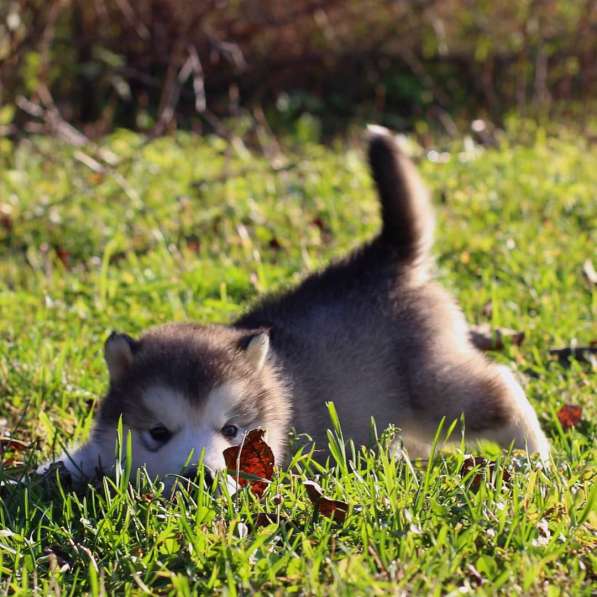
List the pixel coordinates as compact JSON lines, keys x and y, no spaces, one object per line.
{"x":119,"y":352}
{"x":257,"y":349}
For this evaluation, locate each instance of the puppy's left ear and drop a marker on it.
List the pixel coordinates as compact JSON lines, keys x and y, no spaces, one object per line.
{"x":119,"y":352}
{"x":257,"y":349}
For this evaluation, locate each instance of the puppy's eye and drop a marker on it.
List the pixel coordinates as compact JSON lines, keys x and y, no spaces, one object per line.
{"x":160,"y":434}
{"x":230,"y":431}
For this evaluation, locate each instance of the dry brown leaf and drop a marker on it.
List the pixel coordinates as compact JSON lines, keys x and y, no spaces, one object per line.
{"x":253,"y":457}
{"x":12,"y":444}
{"x":472,"y":462}
{"x":583,"y":354}
{"x":474,"y":575}
{"x":14,"y":447}
{"x":334,"y":509}
{"x":264,"y":519}
{"x":6,"y":222}
{"x":64,"y":256}
{"x":58,"y":558}
{"x":484,"y":338}
{"x":193,"y":244}
{"x":274,"y":244}
{"x":487,"y":310}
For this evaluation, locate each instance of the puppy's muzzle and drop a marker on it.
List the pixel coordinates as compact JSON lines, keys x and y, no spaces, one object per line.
{"x":191,"y":472}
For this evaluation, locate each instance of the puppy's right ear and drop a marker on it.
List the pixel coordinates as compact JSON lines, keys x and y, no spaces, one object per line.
{"x":119,"y":351}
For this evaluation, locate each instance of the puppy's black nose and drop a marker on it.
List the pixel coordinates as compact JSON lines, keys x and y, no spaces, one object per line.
{"x":191,"y":473}
{"x":209,"y":479}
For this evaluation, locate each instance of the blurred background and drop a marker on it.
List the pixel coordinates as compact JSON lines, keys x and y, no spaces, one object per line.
{"x":86,"y":67}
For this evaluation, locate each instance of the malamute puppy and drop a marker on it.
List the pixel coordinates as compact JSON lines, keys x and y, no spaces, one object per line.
{"x":373,"y":333}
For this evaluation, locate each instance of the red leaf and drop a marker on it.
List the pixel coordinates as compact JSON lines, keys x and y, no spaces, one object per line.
{"x":63,"y":255}
{"x":253,"y":457}
{"x":6,"y":222}
{"x":570,"y":415}
{"x":334,"y":509}
{"x":473,"y":462}
{"x":318,"y":222}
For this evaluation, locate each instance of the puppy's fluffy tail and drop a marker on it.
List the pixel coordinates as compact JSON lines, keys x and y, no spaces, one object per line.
{"x":405,"y":207}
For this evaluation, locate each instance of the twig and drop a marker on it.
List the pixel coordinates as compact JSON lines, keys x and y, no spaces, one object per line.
{"x":193,"y":66}
{"x":240,"y":174}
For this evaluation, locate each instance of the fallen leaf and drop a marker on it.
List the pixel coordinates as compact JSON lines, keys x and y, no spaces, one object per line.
{"x":334,"y":509}
{"x":314,"y":491}
{"x":264,"y":519}
{"x":57,"y":558}
{"x":472,"y":462}
{"x":570,"y":415}
{"x":274,"y":244}
{"x":193,"y":244}
{"x":6,"y":222}
{"x":474,"y":575}
{"x":543,"y":534}
{"x":10,"y":443}
{"x":589,"y":272}
{"x":583,"y":354}
{"x":318,"y":222}
{"x":254,"y":458}
{"x":13,"y":447}
{"x":95,"y":177}
{"x":487,"y":309}
{"x":484,"y":338}
{"x":324,"y":229}
{"x":63,"y":255}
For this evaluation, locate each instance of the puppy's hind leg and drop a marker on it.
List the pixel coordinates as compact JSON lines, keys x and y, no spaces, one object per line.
{"x":521,"y":427}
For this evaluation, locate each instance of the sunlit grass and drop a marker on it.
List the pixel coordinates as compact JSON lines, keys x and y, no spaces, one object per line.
{"x":185,"y":228}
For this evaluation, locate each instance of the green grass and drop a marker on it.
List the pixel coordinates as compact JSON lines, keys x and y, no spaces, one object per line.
{"x":185,"y":228}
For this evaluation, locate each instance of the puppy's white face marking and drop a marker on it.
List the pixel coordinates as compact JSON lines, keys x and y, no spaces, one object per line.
{"x":178,"y":434}
{"x":183,"y":431}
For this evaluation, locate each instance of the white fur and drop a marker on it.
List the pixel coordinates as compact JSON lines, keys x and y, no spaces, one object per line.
{"x":524,"y":431}
{"x":89,"y":459}
{"x":257,"y":351}
{"x":195,"y":431}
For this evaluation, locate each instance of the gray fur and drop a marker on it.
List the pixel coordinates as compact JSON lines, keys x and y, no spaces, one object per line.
{"x":192,"y":360}
{"x":375,"y":335}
